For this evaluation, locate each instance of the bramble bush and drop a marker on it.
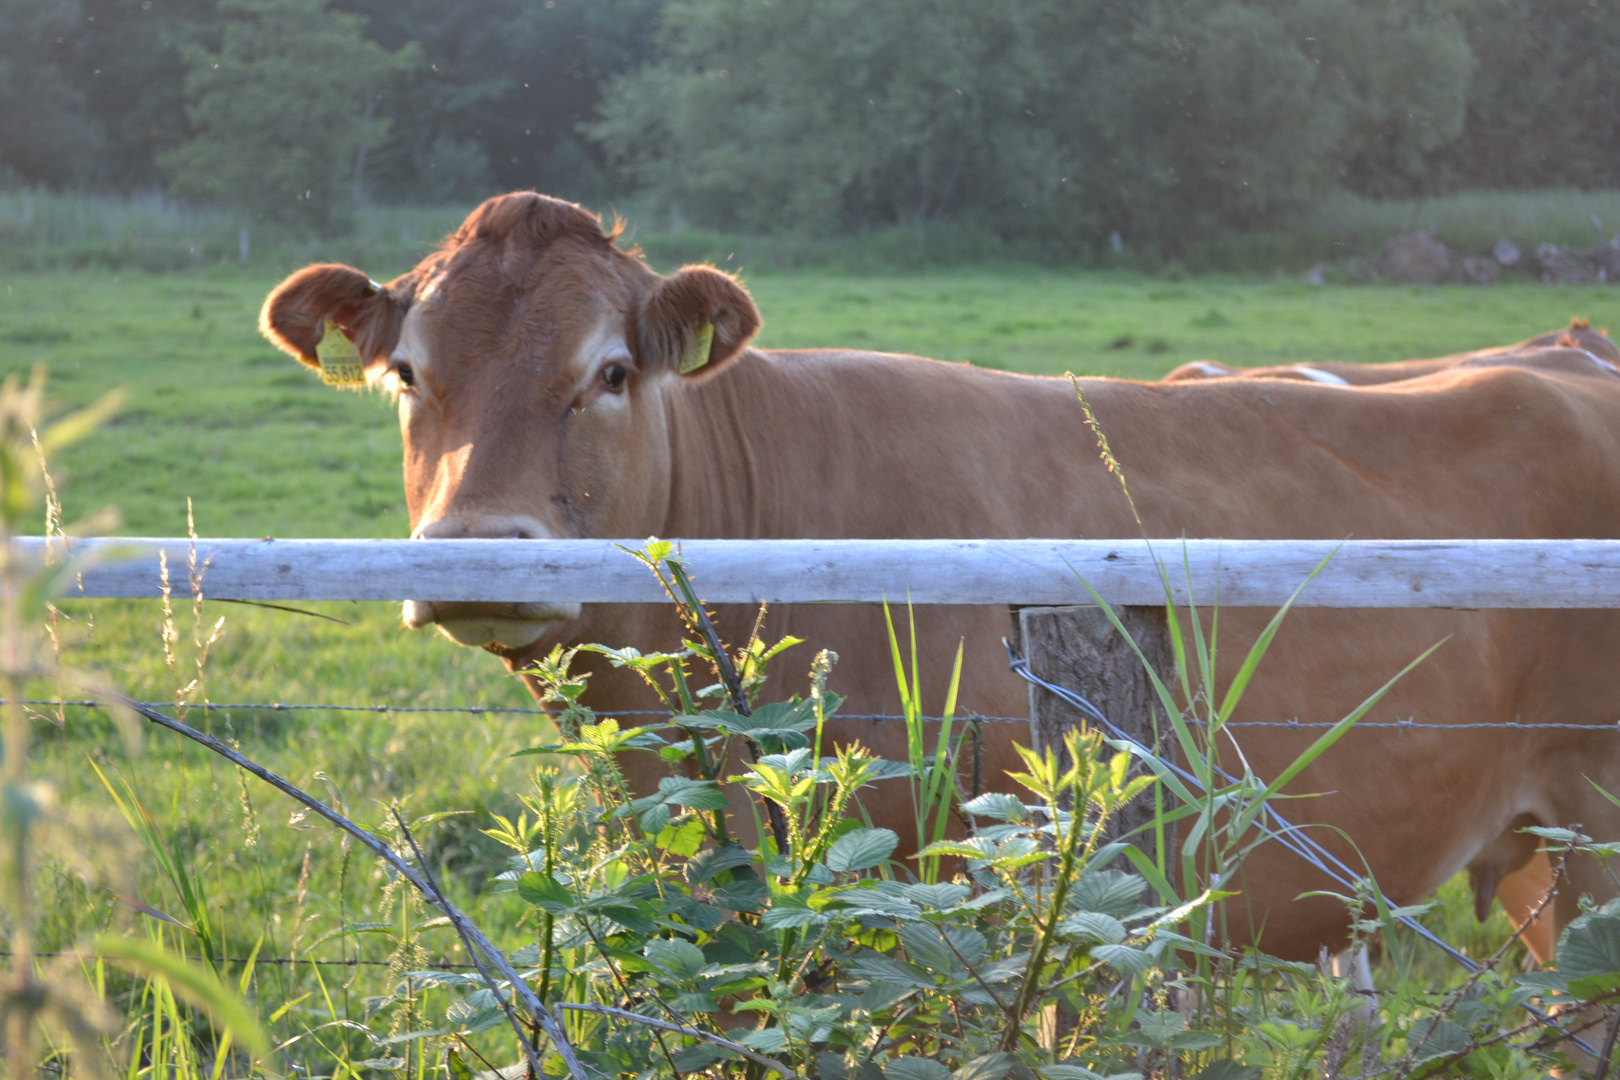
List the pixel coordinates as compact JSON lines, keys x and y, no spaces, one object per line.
{"x":1039,"y":942}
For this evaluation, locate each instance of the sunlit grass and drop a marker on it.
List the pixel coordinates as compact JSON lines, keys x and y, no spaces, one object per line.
{"x":263,"y":449}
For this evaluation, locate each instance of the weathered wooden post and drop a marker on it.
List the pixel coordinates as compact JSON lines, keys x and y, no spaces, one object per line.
{"x":1078,"y":649}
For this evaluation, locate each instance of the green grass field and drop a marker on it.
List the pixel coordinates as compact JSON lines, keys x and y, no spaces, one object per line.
{"x":215,"y":414}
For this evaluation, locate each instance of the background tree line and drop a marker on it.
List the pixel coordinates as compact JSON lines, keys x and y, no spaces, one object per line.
{"x":1062,"y":121}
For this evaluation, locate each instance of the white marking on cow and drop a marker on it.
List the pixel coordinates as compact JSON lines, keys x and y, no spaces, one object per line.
{"x":602,"y":346}
{"x":413,"y":340}
{"x":1326,"y":378}
{"x":1209,"y":370}
{"x":1601,"y":363}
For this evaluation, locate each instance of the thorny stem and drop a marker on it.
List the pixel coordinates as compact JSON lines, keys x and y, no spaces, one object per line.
{"x":1060,"y":894}
{"x":1602,"y":1070}
{"x":477,"y":940}
{"x":696,"y":1033}
{"x":436,"y":898}
{"x":1452,"y":999}
{"x":1438,"y":1068}
{"x":624,"y":988}
{"x":734,"y":687}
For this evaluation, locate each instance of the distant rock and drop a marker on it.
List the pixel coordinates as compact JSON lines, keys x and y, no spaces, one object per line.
{"x":1313,"y":276}
{"x":1478,"y":271}
{"x":1506,"y":252}
{"x":1417,"y":258}
{"x":1563,"y":266}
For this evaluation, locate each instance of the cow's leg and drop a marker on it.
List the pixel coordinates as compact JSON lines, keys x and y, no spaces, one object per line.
{"x":1358,"y":966}
{"x":1521,"y":892}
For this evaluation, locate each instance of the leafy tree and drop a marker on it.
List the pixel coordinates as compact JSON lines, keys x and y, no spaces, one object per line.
{"x":283,"y":113}
{"x":1401,"y":73}
{"x":837,"y":114}
{"x":502,"y":88}
{"x":1165,"y":120}
{"x":124,"y":57}
{"x":45,"y":135}
{"x":1201,"y":117}
{"x":1544,"y":104}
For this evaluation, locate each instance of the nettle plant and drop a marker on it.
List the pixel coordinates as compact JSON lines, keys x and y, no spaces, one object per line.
{"x":672,"y":949}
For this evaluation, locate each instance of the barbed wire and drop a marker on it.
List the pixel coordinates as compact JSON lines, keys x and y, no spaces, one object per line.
{"x":481,"y":710}
{"x":273,"y":960}
{"x":473,"y":710}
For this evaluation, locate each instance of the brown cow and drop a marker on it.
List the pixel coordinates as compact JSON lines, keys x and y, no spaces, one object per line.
{"x":551,"y":385}
{"x":1578,"y":349}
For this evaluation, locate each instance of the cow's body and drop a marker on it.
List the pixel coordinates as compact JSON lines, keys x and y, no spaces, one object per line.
{"x":520,"y":420}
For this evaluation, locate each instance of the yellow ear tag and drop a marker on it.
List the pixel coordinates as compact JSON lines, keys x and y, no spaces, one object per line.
{"x":697,"y":353}
{"x":340,"y":360}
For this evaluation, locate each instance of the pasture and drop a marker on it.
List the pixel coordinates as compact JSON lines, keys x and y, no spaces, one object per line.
{"x":262,"y":448}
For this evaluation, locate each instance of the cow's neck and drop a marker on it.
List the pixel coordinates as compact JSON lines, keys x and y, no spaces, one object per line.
{"x":865,"y":445}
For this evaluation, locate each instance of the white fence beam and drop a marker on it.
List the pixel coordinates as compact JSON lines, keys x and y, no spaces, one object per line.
{"x":1241,"y":573}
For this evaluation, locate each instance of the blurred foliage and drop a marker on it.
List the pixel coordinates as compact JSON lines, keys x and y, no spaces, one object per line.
{"x":1160,"y":121}
{"x":283,"y":112}
{"x":1049,"y":122}
{"x":45,"y":135}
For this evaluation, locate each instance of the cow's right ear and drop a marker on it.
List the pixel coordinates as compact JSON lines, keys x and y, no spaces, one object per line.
{"x":695,"y":320}
{"x":295,"y":314}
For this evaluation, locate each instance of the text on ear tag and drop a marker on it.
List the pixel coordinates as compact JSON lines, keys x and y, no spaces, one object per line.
{"x":697,"y":353}
{"x":340,"y":360}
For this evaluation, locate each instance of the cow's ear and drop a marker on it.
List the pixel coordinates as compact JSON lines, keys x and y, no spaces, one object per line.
{"x":695,"y":320}
{"x":296,"y":314}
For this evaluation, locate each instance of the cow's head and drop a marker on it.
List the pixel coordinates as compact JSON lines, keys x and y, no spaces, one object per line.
{"x":531,"y":360}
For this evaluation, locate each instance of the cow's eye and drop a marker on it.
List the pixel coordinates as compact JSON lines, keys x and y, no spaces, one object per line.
{"x":613,"y":376}
{"x":406,"y":376}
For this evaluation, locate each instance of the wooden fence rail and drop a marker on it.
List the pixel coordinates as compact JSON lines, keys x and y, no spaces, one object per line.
{"x":1239,"y":573}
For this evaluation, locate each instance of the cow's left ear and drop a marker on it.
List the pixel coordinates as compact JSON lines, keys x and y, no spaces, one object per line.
{"x":694,"y":321}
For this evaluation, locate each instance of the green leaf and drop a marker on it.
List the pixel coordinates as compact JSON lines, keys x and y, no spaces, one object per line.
{"x":1589,"y":954}
{"x":767,"y":1041}
{"x":694,"y":794}
{"x":784,"y":915}
{"x":547,"y":893}
{"x":987,"y":1067}
{"x":944,"y":949}
{"x":1545,"y":981}
{"x":683,"y":837}
{"x":1227,"y":1069}
{"x":936,"y":896}
{"x":877,"y":968}
{"x":915,"y":1068}
{"x":750,"y":894}
{"x":1441,"y":1039}
{"x":1126,"y":960}
{"x":705,"y":864}
{"x":676,"y":957}
{"x":1194,"y":1040}
{"x":861,"y":850}
{"x":873,"y":902}
{"x":1112,"y":892}
{"x":699,"y":1057}
{"x":1000,"y":807}
{"x":1068,"y":1072}
{"x":656,"y":820}
{"x":1101,"y":928}
{"x":457,"y":1068}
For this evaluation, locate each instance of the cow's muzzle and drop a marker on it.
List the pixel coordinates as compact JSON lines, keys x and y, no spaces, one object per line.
{"x":502,"y":626}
